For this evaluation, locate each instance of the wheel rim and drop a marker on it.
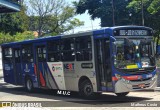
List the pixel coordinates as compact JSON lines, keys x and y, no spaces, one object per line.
{"x":29,"y":84}
{"x":88,"y":90}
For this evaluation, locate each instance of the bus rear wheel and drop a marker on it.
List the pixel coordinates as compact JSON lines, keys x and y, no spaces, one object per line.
{"x":122,"y":94}
{"x":86,"y":90}
{"x":29,"y":85}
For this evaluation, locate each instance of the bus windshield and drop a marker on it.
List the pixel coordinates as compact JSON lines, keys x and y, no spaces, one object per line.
{"x":134,"y":54}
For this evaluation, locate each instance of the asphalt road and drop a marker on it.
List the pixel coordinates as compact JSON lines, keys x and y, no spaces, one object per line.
{"x":49,"y":98}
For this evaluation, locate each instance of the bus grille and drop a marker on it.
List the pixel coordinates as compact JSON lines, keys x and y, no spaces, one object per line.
{"x":140,"y":72}
{"x":139,"y":80}
{"x":137,"y":86}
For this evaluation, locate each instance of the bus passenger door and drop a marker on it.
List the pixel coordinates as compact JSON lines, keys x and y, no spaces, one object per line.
{"x":39,"y":63}
{"x":8,"y":71}
{"x":103,"y":64}
{"x":17,"y":65}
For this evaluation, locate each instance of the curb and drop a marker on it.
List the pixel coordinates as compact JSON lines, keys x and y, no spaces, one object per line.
{"x":145,"y":90}
{"x":157,"y":89}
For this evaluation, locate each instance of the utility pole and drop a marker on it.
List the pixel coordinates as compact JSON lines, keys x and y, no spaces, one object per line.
{"x":113,"y":13}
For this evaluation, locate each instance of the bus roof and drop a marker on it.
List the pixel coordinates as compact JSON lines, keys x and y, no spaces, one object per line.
{"x":107,"y":30}
{"x":37,"y":40}
{"x":129,"y":26}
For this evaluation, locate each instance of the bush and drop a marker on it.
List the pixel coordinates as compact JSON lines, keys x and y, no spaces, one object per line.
{"x":6,"y":38}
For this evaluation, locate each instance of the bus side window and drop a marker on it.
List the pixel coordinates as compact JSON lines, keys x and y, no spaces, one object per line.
{"x":7,"y":55}
{"x":42,"y":54}
{"x":83,"y":48}
{"x":67,"y":47}
{"x":54,"y":51}
{"x":17,"y":55}
{"x":27,"y":53}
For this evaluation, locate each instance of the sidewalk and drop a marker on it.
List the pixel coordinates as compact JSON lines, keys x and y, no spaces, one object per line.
{"x":1,"y":73}
{"x":157,"y":89}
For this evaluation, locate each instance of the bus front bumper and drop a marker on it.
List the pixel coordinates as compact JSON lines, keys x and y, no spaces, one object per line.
{"x":128,"y":86}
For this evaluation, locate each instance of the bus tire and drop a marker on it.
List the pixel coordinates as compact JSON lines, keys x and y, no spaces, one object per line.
{"x":122,"y":94}
{"x":29,"y":85}
{"x":86,"y":90}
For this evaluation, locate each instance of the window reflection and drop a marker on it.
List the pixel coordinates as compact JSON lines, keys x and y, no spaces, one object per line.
{"x":134,"y":52}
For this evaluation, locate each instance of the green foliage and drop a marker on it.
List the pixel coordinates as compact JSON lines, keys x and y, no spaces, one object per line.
{"x":137,"y":4}
{"x":23,"y":36}
{"x":49,"y":20}
{"x":154,"y":7}
{"x":52,"y":17}
{"x":122,"y":8}
{"x":6,"y":38}
{"x":14,"y":22}
{"x":151,"y":15}
{"x":63,"y":22}
{"x":103,"y":9}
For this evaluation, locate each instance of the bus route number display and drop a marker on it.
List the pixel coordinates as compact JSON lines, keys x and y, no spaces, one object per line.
{"x":133,"y":32}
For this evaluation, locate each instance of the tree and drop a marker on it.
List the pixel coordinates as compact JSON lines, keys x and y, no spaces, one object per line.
{"x":52,"y":16}
{"x":151,"y":18}
{"x":6,"y":38}
{"x":26,"y":35}
{"x":154,"y":6}
{"x":14,"y":22}
{"x":151,"y":11}
{"x":103,"y":9}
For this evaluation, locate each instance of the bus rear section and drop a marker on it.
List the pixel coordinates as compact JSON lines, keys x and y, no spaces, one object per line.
{"x":17,"y":63}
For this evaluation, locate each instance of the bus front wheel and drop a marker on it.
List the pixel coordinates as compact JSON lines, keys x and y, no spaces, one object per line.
{"x":86,"y":89}
{"x":29,"y":85}
{"x":122,"y":94}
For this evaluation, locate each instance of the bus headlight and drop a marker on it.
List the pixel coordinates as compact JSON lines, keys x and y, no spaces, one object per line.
{"x":126,"y":81}
{"x":118,"y":76}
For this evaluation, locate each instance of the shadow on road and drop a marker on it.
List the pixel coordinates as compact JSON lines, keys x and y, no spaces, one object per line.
{"x":109,"y":99}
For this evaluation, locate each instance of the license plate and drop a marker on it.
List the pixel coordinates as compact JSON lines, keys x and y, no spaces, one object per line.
{"x":141,"y":85}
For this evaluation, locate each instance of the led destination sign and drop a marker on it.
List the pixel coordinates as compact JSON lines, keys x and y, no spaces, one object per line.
{"x":132,"y":32}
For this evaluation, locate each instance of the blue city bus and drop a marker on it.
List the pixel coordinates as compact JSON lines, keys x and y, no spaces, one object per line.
{"x":116,"y":59}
